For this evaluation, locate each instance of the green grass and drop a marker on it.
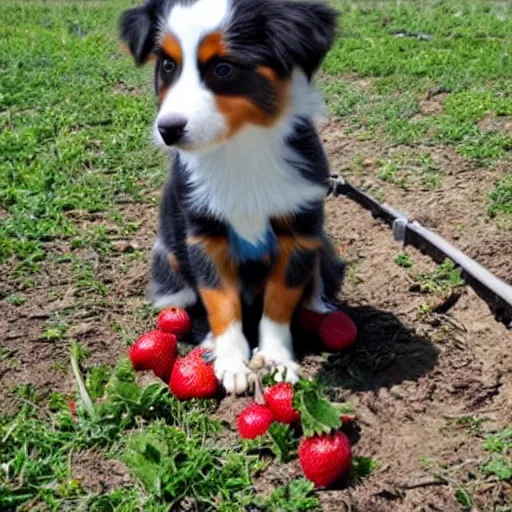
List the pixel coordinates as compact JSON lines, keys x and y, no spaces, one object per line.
{"x":501,"y":197}
{"x":445,"y":278}
{"x":408,"y":51}
{"x":412,"y":169}
{"x":74,"y":125}
{"x":174,"y":451}
{"x":500,"y":445}
{"x":403,"y":260}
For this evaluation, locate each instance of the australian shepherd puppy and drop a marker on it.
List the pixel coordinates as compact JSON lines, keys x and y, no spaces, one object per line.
{"x":242,"y":215}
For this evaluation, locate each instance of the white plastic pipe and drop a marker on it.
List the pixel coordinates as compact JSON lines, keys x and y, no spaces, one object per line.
{"x":496,"y":292}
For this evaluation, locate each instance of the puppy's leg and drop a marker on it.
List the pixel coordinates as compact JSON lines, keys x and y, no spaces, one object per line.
{"x":219,"y":289}
{"x":168,"y":286}
{"x":291,"y":272}
{"x":328,"y":278}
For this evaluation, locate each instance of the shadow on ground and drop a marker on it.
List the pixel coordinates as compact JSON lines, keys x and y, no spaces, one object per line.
{"x":386,"y":353}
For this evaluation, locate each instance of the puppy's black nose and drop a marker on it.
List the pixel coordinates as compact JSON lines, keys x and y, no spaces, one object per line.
{"x":171,"y":128}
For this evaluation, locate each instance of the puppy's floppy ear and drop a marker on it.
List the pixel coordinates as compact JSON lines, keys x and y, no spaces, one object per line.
{"x":302,"y":33}
{"x":138,"y":28}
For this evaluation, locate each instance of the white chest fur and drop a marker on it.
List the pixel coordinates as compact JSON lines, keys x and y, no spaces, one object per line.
{"x":248,"y":180}
{"x":255,"y":175}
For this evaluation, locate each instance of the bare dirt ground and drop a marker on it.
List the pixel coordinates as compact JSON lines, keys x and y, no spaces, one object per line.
{"x":412,"y":377}
{"x":455,"y":209}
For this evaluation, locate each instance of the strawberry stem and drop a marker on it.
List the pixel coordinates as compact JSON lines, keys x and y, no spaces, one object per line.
{"x":258,"y":391}
{"x":84,"y":394}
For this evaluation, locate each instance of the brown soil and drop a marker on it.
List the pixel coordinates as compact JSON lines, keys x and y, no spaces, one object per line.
{"x":410,"y":377}
{"x":456,"y":209}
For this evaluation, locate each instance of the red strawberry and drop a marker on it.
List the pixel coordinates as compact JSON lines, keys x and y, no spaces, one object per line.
{"x":337,"y":331}
{"x":254,"y":421}
{"x":279,"y":400}
{"x":310,"y":321}
{"x":155,"y":351}
{"x":174,"y":320}
{"x":325,"y":458}
{"x":193,"y":377}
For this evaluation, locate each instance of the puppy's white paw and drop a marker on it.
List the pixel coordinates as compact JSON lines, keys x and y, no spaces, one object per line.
{"x":284,"y":369}
{"x":276,"y":350}
{"x":231,"y":360}
{"x":233,"y":373}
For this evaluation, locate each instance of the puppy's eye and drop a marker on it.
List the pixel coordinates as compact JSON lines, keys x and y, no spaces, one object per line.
{"x":223,"y":70}
{"x":168,"y":66}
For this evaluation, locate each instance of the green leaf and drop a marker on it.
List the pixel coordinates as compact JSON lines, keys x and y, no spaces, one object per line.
{"x":363,"y":466}
{"x":343,"y":408}
{"x":284,"y":443}
{"x":298,"y":495}
{"x":464,"y":498}
{"x":318,"y":415}
{"x":500,"y":441}
{"x":500,"y":467}
{"x":97,"y":379}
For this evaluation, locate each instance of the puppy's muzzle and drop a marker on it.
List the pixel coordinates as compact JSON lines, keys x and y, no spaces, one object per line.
{"x":172,"y":128}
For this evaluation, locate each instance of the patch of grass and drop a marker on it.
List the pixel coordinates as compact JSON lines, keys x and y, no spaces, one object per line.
{"x":16,"y":300}
{"x":424,"y":73}
{"x":73,"y":129}
{"x":501,"y":197}
{"x":472,"y":423}
{"x":84,"y":276}
{"x":364,"y":466}
{"x":172,"y":449}
{"x":54,"y":330}
{"x":409,"y":169}
{"x":500,"y":445}
{"x":464,"y":51}
{"x":443,"y":279}
{"x":403,"y":260}
{"x":463,"y":498}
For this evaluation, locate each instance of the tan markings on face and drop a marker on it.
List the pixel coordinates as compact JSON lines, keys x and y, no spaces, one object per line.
{"x":162,"y":93}
{"x":212,"y":45}
{"x":240,"y":111}
{"x":172,"y":48}
{"x":280,"y":300}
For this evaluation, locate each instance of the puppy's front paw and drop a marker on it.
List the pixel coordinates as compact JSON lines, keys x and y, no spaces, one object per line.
{"x":284,"y":367}
{"x":231,"y":360}
{"x":233,"y":373}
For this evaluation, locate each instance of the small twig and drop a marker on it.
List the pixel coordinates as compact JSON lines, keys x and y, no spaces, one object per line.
{"x":13,"y":336}
{"x":478,"y":462}
{"x":424,"y":482}
{"x":37,"y":316}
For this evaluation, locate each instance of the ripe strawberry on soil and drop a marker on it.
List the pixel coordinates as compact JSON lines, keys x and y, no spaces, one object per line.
{"x":254,"y":421}
{"x":155,"y":350}
{"x":192,"y":377}
{"x":174,"y":320}
{"x":310,"y":321}
{"x":337,"y":331}
{"x":279,"y":399}
{"x":325,"y":458}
